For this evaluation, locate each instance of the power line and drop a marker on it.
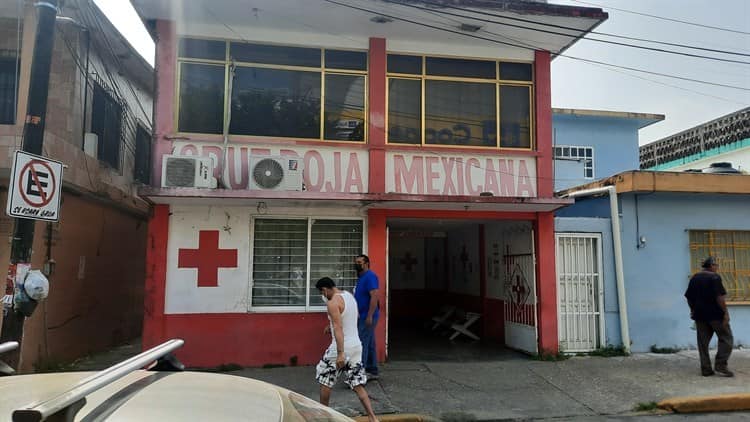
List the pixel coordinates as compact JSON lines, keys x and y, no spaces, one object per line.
{"x":666,"y":19}
{"x":671,"y":86}
{"x":622,"y":44}
{"x":568,"y":28}
{"x":531,"y":48}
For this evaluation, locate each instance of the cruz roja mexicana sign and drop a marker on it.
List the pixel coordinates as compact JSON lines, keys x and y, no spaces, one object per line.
{"x":35,"y":187}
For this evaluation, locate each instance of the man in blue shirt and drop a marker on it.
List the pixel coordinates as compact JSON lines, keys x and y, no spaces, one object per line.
{"x":366,"y":294}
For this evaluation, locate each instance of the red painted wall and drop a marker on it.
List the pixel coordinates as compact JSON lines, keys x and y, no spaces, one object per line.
{"x":377,"y":241}
{"x":249,"y":339}
{"x":377,"y":107}
{"x":165,"y":69}
{"x":547,"y":283}
{"x":543,"y":114}
{"x":154,"y":331}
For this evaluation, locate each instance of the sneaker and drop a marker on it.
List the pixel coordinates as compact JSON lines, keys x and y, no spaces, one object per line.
{"x":708,"y":374}
{"x":372,"y":377}
{"x":724,"y":372}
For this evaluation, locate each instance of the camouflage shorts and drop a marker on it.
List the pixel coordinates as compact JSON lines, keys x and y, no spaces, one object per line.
{"x":354,"y":371}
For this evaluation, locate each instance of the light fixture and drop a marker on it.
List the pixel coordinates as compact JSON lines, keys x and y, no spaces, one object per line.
{"x":467,"y":27}
{"x":380,"y":19}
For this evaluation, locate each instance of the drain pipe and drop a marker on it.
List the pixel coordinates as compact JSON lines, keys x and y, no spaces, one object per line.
{"x":614,"y":209}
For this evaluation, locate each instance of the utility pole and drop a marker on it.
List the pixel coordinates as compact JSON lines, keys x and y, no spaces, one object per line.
{"x":33,"y":139}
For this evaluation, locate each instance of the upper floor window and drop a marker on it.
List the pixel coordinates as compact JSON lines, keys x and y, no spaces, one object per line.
{"x":275,"y":91}
{"x":106,"y":123}
{"x":581,"y":154}
{"x":459,"y":102}
{"x":8,"y":88}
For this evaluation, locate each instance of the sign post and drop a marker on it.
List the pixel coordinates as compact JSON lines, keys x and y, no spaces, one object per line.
{"x":39,"y":191}
{"x":35,"y":188}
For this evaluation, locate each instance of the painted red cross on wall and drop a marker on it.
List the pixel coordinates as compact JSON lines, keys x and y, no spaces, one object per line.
{"x":208,"y":258}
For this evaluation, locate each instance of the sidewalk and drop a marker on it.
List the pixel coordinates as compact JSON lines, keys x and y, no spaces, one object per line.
{"x":514,"y":387}
{"x":520,"y":388}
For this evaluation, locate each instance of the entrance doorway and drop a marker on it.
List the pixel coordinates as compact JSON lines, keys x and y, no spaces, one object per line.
{"x":580,"y":294}
{"x":460,"y":289}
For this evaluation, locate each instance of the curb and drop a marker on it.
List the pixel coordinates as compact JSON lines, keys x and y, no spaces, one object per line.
{"x":705,"y":404}
{"x":400,"y":417}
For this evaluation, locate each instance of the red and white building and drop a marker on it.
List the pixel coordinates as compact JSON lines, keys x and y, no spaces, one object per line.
{"x":416,"y":132}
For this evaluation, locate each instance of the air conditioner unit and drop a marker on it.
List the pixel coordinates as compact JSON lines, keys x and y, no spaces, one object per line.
{"x":184,"y":171}
{"x":91,"y":144}
{"x":276,"y":173}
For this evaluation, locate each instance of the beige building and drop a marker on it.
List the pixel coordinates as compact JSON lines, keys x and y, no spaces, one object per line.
{"x":99,"y":125}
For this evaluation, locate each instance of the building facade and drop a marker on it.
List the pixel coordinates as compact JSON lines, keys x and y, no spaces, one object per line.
{"x":333,"y":129}
{"x":670,"y":222}
{"x":593,"y":144}
{"x":722,"y":140}
{"x":98,"y":124}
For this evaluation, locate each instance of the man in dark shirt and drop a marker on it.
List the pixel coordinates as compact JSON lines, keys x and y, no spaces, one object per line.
{"x":708,"y":307}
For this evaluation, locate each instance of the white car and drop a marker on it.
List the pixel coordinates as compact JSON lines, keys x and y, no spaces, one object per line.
{"x":126,"y":393}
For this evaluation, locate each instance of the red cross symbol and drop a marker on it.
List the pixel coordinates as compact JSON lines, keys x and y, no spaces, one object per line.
{"x":208,"y":258}
{"x":519,"y":289}
{"x":408,"y":261}
{"x":464,"y":257}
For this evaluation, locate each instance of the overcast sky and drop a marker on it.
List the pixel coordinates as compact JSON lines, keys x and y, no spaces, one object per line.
{"x":580,"y":85}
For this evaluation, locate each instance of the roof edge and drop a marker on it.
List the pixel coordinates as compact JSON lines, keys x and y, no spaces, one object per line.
{"x":636,"y":181}
{"x":648,"y":118}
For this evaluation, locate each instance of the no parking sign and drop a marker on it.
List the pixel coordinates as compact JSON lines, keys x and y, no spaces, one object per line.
{"x":35,"y":187}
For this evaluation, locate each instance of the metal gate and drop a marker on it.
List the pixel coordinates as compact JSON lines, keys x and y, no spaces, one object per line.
{"x":580,"y":294}
{"x":520,"y":302}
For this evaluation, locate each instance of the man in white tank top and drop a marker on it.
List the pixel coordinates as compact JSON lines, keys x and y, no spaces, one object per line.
{"x":344,"y":355}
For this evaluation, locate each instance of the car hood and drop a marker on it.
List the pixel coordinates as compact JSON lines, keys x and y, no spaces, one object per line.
{"x":167,"y":396}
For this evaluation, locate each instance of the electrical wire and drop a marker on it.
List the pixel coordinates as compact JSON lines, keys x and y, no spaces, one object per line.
{"x":666,"y":19}
{"x":530,"y":48}
{"x":578,"y":30}
{"x":659,"y":50}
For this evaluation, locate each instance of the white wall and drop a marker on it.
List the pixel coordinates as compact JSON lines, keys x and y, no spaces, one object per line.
{"x":503,"y":238}
{"x":406,"y":270}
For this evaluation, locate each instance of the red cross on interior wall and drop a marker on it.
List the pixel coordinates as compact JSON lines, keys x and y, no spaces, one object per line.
{"x":208,"y":258}
{"x":519,"y":289}
{"x":408,"y":262}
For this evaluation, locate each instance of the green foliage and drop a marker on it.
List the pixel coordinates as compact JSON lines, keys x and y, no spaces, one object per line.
{"x":550,"y":357}
{"x":664,"y":350}
{"x":609,"y":351}
{"x":646,"y":407}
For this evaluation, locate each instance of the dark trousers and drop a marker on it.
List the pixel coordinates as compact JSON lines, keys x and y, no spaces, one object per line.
{"x":367,"y":337}
{"x":706,"y":330}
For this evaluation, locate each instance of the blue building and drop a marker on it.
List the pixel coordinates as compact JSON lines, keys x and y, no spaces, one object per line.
{"x":666,"y":223}
{"x":591,"y":144}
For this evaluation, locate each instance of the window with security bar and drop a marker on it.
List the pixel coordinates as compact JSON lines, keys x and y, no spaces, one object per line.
{"x":291,"y":255}
{"x":731,"y":248}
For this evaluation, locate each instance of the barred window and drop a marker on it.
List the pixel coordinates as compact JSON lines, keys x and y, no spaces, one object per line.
{"x":291,"y":255}
{"x":106,"y":123}
{"x":731,"y":248}
{"x":580,"y":154}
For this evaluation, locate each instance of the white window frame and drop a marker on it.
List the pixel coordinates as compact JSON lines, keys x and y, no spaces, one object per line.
{"x":308,"y":283}
{"x":567,"y":156}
